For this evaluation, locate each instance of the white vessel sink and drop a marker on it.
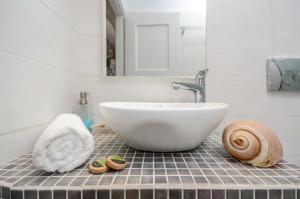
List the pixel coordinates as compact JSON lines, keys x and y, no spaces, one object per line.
{"x":163,"y":127}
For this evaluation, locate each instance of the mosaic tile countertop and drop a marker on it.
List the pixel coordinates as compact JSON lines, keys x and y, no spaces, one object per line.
{"x":206,"y":172}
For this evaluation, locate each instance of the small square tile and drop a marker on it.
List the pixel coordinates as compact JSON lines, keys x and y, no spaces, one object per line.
{"x":147,"y":180}
{"x":247,"y":194}
{"x":289,"y":194}
{"x":59,"y":194}
{"x":6,"y":192}
{"x":132,"y":193}
{"x":121,"y":180}
{"x":275,"y":194}
{"x":88,"y":194}
{"x":117,"y":194}
{"x":146,"y":194}
{"x":161,"y":194}
{"x":232,"y":194}
{"x":74,"y":194}
{"x":204,"y":194}
{"x":174,"y":180}
{"x":65,"y":181}
{"x":16,"y":194}
{"x":189,"y":194}
{"x":175,"y":193}
{"x":103,"y":194}
{"x":30,"y":194}
{"x":106,"y":180}
{"x":218,"y":194}
{"x":45,"y":194}
{"x":187,"y":179}
{"x":160,"y":179}
{"x":261,"y":194}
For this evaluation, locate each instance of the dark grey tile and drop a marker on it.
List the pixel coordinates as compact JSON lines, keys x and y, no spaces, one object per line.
{"x":59,"y":194}
{"x":51,"y":181}
{"x":88,"y":194}
{"x":106,"y":180}
{"x":161,"y":194}
{"x":78,"y":181}
{"x":135,"y":172}
{"x":298,"y":193}
{"x":261,"y":194}
{"x":200,"y":179}
{"x":117,"y":194}
{"x":65,"y":181}
{"x":37,"y":181}
{"x":232,"y":194}
{"x":30,"y":194}
{"x":275,"y":194}
{"x":120,"y":180}
{"x":103,"y":194}
{"x":189,"y":194}
{"x":133,"y":179}
{"x":147,"y":180}
{"x":147,"y":172}
{"x":16,"y":194}
{"x":45,"y":194}
{"x":74,"y":194}
{"x":160,"y":179}
{"x":93,"y":180}
{"x":173,"y":180}
{"x":5,"y":192}
{"x":218,"y":194}
{"x":214,"y":180}
{"x":228,"y":180}
{"x":204,"y":193}
{"x":187,"y":180}
{"x":23,"y":181}
{"x":132,"y":194}
{"x":289,"y":194}
{"x":146,"y":194}
{"x":160,"y":172}
{"x":175,"y":193}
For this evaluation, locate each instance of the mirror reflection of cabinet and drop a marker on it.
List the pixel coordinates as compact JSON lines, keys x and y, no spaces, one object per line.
{"x":155,"y":38}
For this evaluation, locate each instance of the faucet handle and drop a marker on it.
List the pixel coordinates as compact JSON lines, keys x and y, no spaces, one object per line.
{"x":203,"y":72}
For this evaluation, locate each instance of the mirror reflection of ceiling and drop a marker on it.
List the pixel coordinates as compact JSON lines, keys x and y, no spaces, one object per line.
{"x":193,"y":11}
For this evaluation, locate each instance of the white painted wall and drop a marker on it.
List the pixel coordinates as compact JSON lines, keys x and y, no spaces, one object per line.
{"x":39,"y":69}
{"x":241,"y":35}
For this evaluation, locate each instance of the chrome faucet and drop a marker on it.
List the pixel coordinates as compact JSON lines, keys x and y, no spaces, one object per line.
{"x":198,"y":88}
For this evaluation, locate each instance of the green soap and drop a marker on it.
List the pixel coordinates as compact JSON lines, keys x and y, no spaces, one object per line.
{"x":99,"y":163}
{"x":118,"y":159}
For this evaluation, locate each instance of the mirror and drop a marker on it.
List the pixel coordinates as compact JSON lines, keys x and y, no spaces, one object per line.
{"x":155,"y":37}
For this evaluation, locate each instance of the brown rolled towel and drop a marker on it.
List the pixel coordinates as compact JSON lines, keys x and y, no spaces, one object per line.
{"x":253,"y":143}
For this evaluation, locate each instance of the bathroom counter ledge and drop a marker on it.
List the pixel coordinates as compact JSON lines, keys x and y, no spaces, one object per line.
{"x":207,"y":172}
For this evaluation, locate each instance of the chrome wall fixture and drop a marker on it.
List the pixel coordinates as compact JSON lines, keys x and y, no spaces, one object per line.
{"x":283,"y":74}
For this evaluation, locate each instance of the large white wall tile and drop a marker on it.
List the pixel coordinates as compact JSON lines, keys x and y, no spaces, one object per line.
{"x":91,"y":15}
{"x":18,"y":143}
{"x":90,"y":55}
{"x":33,"y":93}
{"x":285,"y":18}
{"x":239,"y":18}
{"x":67,"y":10}
{"x":248,"y":96}
{"x":286,"y":47}
{"x":238,"y":56}
{"x":30,"y":29}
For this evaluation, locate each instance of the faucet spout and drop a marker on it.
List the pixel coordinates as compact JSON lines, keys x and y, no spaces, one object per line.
{"x":198,"y":88}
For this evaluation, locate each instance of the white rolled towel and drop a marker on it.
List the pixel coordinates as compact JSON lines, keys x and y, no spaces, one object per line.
{"x":64,"y":145}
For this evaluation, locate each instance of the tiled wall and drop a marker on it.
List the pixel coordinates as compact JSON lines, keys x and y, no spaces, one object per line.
{"x":39,"y":69}
{"x":241,"y":36}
